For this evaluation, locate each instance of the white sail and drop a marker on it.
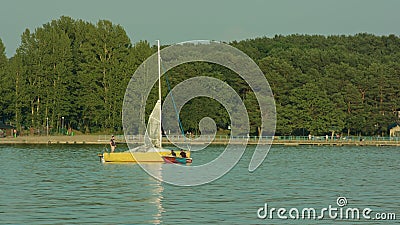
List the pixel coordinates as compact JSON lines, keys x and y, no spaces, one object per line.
{"x":153,"y":126}
{"x":153,"y":135}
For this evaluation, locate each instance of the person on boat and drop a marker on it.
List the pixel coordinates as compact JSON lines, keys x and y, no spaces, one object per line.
{"x":173,"y":153}
{"x":113,"y":144}
{"x":182,"y":154}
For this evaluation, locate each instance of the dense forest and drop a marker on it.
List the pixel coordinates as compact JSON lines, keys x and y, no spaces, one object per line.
{"x":73,"y":74}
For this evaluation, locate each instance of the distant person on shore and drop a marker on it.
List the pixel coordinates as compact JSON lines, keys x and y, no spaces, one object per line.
{"x":113,"y":144}
{"x":182,"y":154}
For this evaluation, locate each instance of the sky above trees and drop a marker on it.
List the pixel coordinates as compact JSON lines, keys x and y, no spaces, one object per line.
{"x":177,"y":20}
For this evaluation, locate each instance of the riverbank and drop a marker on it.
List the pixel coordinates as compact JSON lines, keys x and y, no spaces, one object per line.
{"x":77,"y":139}
{"x":104,"y":140}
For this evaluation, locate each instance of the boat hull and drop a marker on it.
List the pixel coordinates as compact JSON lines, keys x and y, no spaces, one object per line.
{"x":128,"y":157}
{"x":173,"y":159}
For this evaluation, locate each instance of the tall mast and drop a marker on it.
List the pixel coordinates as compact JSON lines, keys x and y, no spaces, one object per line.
{"x":159,"y":86}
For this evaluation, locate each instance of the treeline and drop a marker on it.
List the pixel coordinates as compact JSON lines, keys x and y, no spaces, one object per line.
{"x":343,"y":84}
{"x":71,"y":73}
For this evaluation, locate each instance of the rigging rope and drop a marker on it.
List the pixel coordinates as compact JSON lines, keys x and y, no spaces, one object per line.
{"x":175,"y":108}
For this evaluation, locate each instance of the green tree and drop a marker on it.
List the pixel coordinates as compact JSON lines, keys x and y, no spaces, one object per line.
{"x":314,"y":111}
{"x":104,"y":57}
{"x":5,"y":101}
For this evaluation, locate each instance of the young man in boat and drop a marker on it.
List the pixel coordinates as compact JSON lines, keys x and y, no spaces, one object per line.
{"x":182,"y":154}
{"x":113,"y":144}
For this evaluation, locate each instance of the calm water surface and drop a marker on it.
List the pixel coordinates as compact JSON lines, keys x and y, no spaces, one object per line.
{"x":66,"y":184}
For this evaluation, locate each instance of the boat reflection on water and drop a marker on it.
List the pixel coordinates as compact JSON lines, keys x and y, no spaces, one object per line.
{"x":157,"y":191}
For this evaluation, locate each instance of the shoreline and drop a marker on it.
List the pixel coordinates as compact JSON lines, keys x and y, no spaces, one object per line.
{"x":104,"y":139}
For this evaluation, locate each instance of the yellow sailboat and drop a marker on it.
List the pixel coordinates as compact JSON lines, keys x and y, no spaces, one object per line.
{"x":126,"y":157}
{"x":152,"y":151}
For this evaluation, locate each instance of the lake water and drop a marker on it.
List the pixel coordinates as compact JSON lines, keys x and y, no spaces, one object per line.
{"x":66,"y":184}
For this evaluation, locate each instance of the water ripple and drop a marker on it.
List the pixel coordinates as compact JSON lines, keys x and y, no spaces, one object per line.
{"x":67,"y":185}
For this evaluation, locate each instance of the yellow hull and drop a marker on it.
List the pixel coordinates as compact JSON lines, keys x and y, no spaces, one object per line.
{"x":136,"y":156}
